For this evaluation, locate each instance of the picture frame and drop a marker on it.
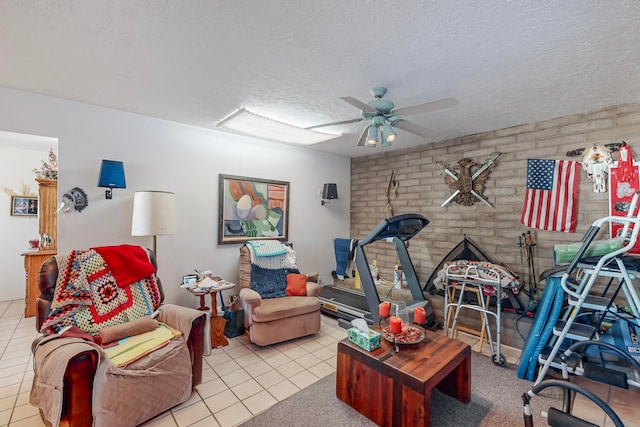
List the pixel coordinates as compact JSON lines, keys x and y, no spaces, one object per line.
{"x":252,"y":209}
{"x":24,"y":206}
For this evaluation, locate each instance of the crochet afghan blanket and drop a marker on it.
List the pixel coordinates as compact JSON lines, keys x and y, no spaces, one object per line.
{"x":88,"y":296}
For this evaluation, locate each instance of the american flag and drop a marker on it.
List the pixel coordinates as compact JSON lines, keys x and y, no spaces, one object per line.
{"x":551,"y":199}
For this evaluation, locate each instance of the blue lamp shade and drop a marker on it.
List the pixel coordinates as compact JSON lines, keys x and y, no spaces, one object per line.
{"x":111,"y":176}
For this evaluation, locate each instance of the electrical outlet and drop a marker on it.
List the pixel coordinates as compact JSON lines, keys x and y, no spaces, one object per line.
{"x":319,"y":192}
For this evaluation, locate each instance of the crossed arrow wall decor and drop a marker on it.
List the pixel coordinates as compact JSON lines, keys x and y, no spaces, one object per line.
{"x":467,"y":184}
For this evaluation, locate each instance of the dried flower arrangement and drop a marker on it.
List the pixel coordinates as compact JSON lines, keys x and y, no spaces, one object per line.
{"x":49,"y":169}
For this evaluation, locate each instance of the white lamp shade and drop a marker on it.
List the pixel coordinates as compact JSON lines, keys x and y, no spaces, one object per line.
{"x":154,"y":213}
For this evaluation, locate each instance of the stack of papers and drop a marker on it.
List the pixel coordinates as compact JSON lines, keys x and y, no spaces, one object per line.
{"x":208,"y":283}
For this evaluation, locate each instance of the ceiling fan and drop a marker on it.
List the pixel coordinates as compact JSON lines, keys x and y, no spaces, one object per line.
{"x":385,"y":117}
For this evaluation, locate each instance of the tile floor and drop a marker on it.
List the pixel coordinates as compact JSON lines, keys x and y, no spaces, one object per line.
{"x":239,"y":380}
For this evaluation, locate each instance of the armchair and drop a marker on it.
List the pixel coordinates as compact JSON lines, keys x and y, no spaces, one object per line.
{"x":76,"y":385}
{"x":273,"y":320}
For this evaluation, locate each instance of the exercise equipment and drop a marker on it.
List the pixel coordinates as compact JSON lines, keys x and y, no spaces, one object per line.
{"x":349,"y":304}
{"x":577,"y":282}
{"x":618,"y":374}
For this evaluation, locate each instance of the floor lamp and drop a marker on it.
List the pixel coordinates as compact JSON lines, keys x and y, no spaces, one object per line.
{"x":154,"y":213}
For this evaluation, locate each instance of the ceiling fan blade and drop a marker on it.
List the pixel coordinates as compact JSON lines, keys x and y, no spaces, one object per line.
{"x":363,"y":137}
{"x":427,"y":107}
{"x":414,"y":128}
{"x":343,"y":122}
{"x":358,"y":104}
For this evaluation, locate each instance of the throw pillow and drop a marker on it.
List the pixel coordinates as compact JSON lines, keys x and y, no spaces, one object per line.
{"x":270,"y":283}
{"x":296,"y":285}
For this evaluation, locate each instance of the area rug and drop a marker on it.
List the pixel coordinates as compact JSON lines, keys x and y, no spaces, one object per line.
{"x":495,"y":401}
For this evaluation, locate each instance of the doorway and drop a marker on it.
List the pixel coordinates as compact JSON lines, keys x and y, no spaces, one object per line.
{"x":20,"y":154}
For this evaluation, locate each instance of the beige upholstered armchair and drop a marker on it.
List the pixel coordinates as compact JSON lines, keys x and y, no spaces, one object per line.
{"x":75,"y":382}
{"x":270,"y":319}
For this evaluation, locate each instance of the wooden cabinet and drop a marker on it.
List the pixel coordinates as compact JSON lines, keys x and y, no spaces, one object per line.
{"x":48,"y":226}
{"x":32,"y":263}
{"x":47,"y":213}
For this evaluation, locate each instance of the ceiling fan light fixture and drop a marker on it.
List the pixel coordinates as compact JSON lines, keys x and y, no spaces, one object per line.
{"x":388,"y":135}
{"x":372,"y":136}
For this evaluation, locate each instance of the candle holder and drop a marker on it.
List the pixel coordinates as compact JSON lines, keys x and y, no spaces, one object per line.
{"x":398,"y":330}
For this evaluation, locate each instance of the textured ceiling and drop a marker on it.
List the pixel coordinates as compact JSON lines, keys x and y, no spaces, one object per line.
{"x":194,"y":62}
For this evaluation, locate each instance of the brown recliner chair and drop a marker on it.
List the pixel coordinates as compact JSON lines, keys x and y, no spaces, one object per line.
{"x":79,"y":374}
{"x":273,"y":320}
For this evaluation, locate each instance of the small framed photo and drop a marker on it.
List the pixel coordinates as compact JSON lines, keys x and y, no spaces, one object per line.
{"x":24,"y":206}
{"x":189,"y":279}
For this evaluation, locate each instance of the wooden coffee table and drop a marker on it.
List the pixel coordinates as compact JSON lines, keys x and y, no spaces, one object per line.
{"x":394,"y":389}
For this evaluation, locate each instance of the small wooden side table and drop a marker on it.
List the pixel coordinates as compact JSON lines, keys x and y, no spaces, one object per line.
{"x":33,"y":260}
{"x":394,"y":389}
{"x":217,"y":323}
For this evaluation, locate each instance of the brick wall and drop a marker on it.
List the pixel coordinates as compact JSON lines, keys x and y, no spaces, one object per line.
{"x":422,"y":189}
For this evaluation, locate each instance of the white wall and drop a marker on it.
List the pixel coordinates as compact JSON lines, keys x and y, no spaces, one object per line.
{"x":16,"y":170}
{"x":161,"y":155}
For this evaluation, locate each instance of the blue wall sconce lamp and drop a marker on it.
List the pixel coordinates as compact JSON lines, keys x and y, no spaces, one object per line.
{"x":111,"y":176}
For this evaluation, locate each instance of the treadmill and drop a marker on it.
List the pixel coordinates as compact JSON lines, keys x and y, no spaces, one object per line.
{"x":347,"y":304}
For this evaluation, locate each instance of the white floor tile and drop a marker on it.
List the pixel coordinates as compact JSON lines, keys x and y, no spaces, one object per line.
{"x":234,"y":378}
{"x":10,"y":390}
{"x":308,"y":361}
{"x":278,"y":359}
{"x":23,"y":411}
{"x":5,"y":416}
{"x":270,"y":378}
{"x":237,"y":351}
{"x":34,"y":421}
{"x":190,"y":414}
{"x":283,"y":389}
{"x":246,"y":389}
{"x":259,"y":402}
{"x":312,"y":346}
{"x":221,"y":401}
{"x":266,"y":352}
{"x":226,"y":368}
{"x":290,"y":368}
{"x":258,"y":369}
{"x":217,"y":357}
{"x":247,"y":359}
{"x":233,"y":415}
{"x":210,"y":421}
{"x":211,"y":388}
{"x":303,"y":379}
{"x":322,"y":369}
{"x":294,"y":352}
{"x":194,"y":398}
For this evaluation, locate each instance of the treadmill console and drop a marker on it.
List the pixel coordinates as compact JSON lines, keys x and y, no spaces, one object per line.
{"x":403,"y":227}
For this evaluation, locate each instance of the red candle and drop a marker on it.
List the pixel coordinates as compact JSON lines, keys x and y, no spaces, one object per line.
{"x":395,"y":325}
{"x":419,"y":315}
{"x":384,"y":309}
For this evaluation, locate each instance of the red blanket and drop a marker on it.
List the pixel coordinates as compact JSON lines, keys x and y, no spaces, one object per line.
{"x":128,"y":263}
